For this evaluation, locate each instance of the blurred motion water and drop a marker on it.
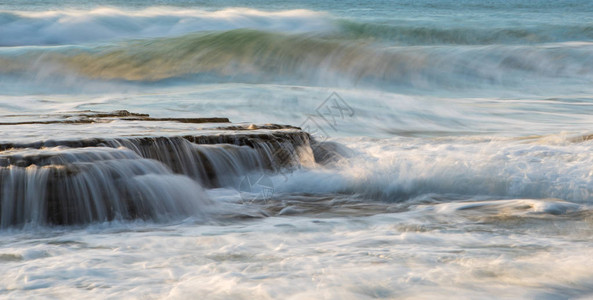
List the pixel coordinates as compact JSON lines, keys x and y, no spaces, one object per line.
{"x":465,"y":130}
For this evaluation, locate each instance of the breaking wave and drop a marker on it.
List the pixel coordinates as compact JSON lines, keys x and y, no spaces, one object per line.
{"x":253,"y":56}
{"x":294,"y":46}
{"x":66,"y":27}
{"x":443,"y":171}
{"x":107,"y":24}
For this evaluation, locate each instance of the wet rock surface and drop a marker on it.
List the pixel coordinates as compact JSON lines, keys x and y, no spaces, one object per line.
{"x":87,"y":117}
{"x":97,"y":179}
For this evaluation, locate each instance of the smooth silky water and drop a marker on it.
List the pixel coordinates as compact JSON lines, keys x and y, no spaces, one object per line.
{"x":464,"y":134}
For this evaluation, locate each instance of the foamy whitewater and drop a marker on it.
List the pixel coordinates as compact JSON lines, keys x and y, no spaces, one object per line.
{"x":464,"y":131}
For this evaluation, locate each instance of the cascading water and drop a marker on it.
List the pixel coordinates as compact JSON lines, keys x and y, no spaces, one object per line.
{"x":160,"y":178}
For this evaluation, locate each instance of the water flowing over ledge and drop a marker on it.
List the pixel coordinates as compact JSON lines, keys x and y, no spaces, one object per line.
{"x":159,"y":177}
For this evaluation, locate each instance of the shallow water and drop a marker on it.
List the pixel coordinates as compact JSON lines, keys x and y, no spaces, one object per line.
{"x":465,"y":131}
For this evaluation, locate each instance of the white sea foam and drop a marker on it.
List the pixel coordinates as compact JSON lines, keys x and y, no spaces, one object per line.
{"x":402,"y":170}
{"x":108,"y":24}
{"x":407,"y":255}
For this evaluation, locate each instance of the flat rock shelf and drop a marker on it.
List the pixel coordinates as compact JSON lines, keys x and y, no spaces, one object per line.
{"x":143,"y":167}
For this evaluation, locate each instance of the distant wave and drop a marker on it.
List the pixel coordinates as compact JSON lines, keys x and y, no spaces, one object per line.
{"x":107,"y":24}
{"x":254,"y":56}
{"x":405,"y":34}
{"x":68,"y":27}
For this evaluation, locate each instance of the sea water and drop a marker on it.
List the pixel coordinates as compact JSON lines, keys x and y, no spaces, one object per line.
{"x":465,"y":128}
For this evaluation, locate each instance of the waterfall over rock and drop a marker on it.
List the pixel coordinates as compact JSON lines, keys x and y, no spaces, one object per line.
{"x":159,"y":177}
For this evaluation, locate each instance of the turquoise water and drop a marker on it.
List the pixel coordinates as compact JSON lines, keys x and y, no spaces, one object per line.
{"x":468,"y":123}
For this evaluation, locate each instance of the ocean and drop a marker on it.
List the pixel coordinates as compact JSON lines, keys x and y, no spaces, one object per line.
{"x":458,"y":135}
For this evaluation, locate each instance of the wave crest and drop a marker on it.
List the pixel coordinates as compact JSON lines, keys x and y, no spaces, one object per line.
{"x":253,"y":56}
{"x":106,"y":24}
